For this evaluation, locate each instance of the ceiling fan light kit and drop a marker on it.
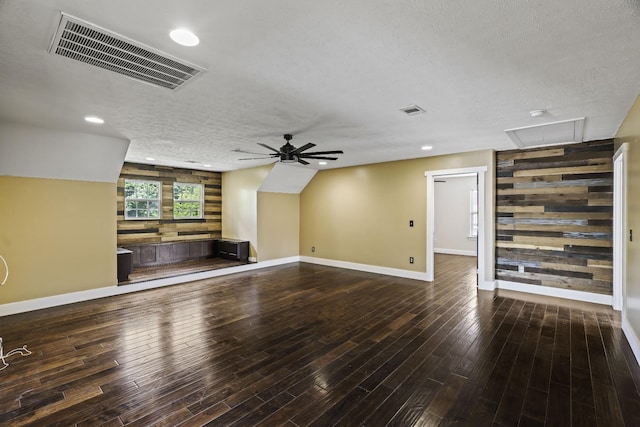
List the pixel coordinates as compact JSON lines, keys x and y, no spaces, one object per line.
{"x":290,"y":154}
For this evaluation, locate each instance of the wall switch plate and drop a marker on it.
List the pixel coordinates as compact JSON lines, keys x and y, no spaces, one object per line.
{"x":410,"y":223}
{"x":410,"y":260}
{"x":313,"y":248}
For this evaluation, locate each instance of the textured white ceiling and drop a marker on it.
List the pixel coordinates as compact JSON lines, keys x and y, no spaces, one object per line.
{"x":332,"y":72}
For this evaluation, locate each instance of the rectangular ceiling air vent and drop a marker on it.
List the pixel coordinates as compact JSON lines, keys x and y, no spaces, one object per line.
{"x":86,"y":42}
{"x":562,"y":132}
{"x":412,"y":110}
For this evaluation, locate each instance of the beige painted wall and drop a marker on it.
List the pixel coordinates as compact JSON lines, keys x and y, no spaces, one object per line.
{"x":361,"y":214}
{"x":278,"y":225}
{"x":240,"y":204}
{"x":58,"y":236}
{"x":630,"y":132}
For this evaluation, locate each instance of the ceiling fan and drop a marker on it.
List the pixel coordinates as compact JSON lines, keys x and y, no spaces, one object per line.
{"x":290,"y":154}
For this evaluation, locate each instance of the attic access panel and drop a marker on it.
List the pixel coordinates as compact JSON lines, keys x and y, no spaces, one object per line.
{"x":566,"y":131}
{"x":86,"y":42}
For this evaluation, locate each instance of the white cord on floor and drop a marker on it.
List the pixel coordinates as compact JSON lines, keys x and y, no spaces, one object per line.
{"x":21,"y":350}
{"x":6,"y":269}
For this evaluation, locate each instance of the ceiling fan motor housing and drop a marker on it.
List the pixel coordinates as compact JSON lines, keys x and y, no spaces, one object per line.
{"x":286,"y":155}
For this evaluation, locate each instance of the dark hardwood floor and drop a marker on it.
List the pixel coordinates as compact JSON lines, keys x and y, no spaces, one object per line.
{"x":303,"y":344}
{"x":143,"y":274}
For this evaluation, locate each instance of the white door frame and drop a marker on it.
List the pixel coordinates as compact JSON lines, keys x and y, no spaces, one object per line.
{"x":431,"y":176}
{"x":619,"y":225}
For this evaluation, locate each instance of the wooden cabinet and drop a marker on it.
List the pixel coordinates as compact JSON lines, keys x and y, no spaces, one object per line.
{"x":166,"y":253}
{"x":125,"y":263}
{"x":233,"y":249}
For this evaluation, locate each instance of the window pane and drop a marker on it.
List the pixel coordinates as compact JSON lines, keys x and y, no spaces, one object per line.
{"x":142,"y":199}
{"x":187,"y":191}
{"x":187,"y":200}
{"x":129,"y":189}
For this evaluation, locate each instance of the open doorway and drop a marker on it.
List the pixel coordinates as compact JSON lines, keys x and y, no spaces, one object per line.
{"x":443,"y":175}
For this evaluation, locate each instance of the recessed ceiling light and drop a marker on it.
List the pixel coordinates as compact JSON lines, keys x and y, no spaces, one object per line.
{"x":94,"y":119}
{"x":184,"y":37}
{"x":149,"y":159}
{"x":537,"y":113}
{"x":427,"y":147}
{"x":322,"y":163}
{"x":207,"y":166}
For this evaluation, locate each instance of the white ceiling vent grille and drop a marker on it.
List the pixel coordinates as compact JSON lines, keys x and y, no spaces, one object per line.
{"x":566,"y":131}
{"x":412,"y":110}
{"x":86,"y":42}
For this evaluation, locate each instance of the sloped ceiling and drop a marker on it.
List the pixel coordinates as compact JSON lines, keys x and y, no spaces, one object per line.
{"x":332,"y":72}
{"x":285,"y":178}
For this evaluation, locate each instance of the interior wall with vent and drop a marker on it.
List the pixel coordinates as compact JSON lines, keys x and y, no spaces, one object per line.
{"x":554,"y":216}
{"x":168,"y":229}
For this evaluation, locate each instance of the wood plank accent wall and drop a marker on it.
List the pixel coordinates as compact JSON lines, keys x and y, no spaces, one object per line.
{"x":168,"y":229}
{"x":554,"y":216}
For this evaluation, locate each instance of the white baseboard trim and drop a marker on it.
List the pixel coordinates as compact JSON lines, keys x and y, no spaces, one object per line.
{"x":634,"y":342}
{"x":417,"y":275}
{"x":69,"y":298}
{"x":556,"y":292}
{"x":454,"y":252}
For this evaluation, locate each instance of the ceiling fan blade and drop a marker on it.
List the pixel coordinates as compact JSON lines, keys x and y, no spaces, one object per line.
{"x":317,"y":157}
{"x":304,"y":162}
{"x":324,"y":152}
{"x":303,"y":148}
{"x":267,"y":147}
{"x":237,"y":150}
{"x":258,"y":158}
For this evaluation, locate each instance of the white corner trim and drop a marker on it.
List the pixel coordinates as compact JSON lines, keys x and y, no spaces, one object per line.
{"x":57,"y":300}
{"x":487,"y":286}
{"x":408,"y":274}
{"x":556,"y":292}
{"x":634,"y":342}
{"x":454,"y":252}
{"x":621,"y":150}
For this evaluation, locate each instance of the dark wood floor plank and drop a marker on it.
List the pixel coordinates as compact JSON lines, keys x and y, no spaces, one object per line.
{"x":512,"y":401}
{"x":304,"y":344}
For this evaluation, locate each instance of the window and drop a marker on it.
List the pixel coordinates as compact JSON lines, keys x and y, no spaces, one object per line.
{"x":141,"y":199}
{"x":187,"y":200}
{"x":473,"y":210}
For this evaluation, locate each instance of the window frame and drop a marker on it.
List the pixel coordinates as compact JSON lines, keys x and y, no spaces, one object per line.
{"x":147,"y":200}
{"x":473,"y":213}
{"x":200,"y":201}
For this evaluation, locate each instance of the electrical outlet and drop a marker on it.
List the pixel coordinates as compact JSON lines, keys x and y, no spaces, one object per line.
{"x":313,"y":248}
{"x":521,"y":269}
{"x":410,"y":260}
